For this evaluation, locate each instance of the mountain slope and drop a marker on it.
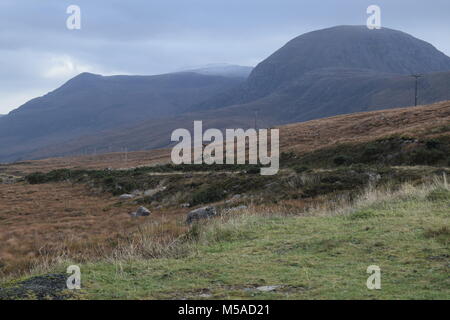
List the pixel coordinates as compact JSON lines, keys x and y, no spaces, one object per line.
{"x":423,"y":122}
{"x":159,"y":132}
{"x":329,"y":92}
{"x":90,"y":103}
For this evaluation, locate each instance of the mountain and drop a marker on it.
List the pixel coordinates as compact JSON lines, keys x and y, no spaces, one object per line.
{"x":342,"y":47}
{"x":89,"y":103}
{"x":222,"y":69}
{"x":329,"y":92}
{"x":339,"y":70}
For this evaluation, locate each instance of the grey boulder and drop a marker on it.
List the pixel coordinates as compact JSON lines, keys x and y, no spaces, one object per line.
{"x":141,"y":212}
{"x":201,"y":213}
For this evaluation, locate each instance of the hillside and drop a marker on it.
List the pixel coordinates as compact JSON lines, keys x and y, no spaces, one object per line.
{"x":298,"y":137}
{"x":89,"y":104}
{"x":131,"y":137}
{"x":328,"y":92}
{"x":366,"y":179}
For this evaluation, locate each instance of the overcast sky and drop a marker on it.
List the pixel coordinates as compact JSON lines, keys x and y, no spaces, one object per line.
{"x":38,"y":53}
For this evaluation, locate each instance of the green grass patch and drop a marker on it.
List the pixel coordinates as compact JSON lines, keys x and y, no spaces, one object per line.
{"x":314,"y":257}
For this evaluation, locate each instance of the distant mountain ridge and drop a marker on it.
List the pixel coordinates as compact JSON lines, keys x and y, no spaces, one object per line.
{"x":90,"y":103}
{"x":328,"y":72}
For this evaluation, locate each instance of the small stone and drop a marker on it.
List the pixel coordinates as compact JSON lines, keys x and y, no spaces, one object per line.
{"x":267,"y":288}
{"x":126,"y":197}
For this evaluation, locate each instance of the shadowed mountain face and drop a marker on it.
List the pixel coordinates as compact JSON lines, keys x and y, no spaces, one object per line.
{"x":333,"y":91}
{"x":323,"y":73}
{"x":90,"y":103}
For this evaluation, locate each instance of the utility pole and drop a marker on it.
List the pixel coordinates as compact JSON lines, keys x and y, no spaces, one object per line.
{"x":256,"y":118}
{"x":416,"y":77}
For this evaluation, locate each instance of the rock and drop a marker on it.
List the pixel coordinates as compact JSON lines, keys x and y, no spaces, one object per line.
{"x":141,"y":212}
{"x":201,"y":213}
{"x":49,"y":286}
{"x":126,"y":197}
{"x":267,"y":288}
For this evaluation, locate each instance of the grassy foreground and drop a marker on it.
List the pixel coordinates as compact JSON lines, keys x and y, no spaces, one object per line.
{"x":311,"y":257}
{"x":320,"y":255}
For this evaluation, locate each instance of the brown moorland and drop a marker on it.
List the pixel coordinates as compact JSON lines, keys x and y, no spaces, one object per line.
{"x":41,"y":223}
{"x":299,"y":137}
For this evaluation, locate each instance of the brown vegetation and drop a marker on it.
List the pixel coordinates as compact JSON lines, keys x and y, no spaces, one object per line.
{"x":43,"y":222}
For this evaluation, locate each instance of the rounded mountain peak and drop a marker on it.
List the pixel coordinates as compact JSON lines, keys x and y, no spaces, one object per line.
{"x":382,"y":50}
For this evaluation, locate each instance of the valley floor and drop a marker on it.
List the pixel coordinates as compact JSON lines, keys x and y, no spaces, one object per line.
{"x":324,"y":256}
